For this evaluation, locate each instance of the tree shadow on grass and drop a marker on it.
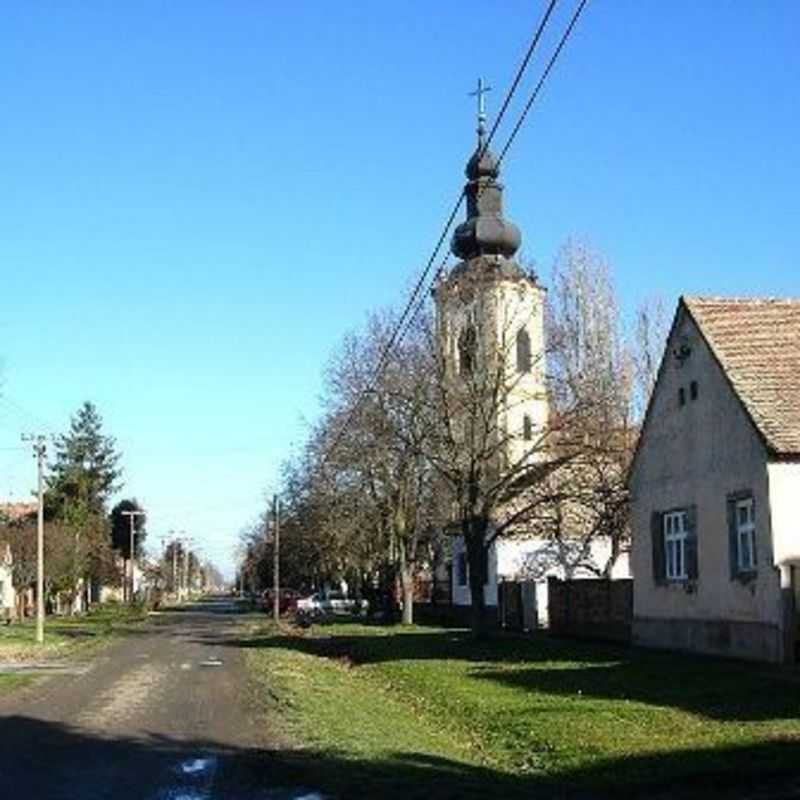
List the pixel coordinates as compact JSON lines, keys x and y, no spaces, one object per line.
{"x":712,"y":688}
{"x":718,"y":689}
{"x":421,"y":644}
{"x":41,"y":759}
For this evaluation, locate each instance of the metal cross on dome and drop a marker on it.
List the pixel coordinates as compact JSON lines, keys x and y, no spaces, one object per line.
{"x":481,"y":93}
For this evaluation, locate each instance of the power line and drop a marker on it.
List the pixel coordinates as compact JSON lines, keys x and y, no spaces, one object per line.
{"x":24,"y":414}
{"x":485,"y":146}
{"x":535,"y":93}
{"x":399,"y":331}
{"x":520,"y":121}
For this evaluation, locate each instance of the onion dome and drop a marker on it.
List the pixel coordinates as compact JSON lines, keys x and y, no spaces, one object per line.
{"x":485,"y":231}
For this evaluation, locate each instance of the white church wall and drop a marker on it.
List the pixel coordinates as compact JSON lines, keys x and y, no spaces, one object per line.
{"x":537,"y":559}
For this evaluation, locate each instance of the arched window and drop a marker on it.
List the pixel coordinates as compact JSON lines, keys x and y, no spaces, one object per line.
{"x":467,"y":347}
{"x":523,"y":351}
{"x":527,"y":428}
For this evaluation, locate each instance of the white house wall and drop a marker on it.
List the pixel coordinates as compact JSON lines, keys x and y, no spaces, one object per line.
{"x":7,"y":593}
{"x":784,"y":497}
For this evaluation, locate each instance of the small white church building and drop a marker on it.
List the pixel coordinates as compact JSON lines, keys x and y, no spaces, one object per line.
{"x":488,"y":304}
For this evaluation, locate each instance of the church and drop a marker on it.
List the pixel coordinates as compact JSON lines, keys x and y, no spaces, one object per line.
{"x":490,"y":320}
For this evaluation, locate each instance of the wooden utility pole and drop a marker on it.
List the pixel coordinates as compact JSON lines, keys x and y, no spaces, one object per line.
{"x":186,"y":556}
{"x":132,"y":515}
{"x":39,"y":451}
{"x":276,"y":560}
{"x":175,"y":568}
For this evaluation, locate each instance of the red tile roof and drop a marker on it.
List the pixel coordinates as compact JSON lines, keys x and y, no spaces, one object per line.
{"x":757,"y":343}
{"x":18,"y":510}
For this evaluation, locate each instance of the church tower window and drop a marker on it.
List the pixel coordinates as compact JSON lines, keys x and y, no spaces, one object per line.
{"x":527,"y":428}
{"x":467,"y":348}
{"x":523,"y":351}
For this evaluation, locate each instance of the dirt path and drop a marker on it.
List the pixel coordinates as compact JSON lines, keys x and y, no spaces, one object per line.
{"x":159,"y":716}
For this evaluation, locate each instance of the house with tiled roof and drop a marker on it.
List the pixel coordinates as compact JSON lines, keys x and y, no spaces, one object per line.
{"x":715,"y":484}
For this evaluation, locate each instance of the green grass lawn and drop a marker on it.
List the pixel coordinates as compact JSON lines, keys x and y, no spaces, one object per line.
{"x":66,"y":636}
{"x":425,"y":712}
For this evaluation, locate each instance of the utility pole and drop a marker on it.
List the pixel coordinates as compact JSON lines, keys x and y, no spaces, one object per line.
{"x":186,"y":565}
{"x":276,"y":560}
{"x":39,"y":451}
{"x":132,"y":515}
{"x":174,"y":546}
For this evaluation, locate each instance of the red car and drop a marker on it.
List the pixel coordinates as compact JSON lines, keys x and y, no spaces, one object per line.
{"x":287,"y":603}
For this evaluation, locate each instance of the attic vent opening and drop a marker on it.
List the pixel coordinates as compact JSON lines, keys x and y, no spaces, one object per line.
{"x":682,"y":351}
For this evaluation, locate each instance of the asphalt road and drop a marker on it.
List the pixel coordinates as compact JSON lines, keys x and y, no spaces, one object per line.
{"x":161,"y":715}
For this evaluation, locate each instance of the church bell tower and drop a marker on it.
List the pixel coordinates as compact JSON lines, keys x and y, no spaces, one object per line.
{"x":490,"y":311}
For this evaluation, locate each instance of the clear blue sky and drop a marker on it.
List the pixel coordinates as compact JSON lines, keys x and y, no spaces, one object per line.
{"x":197,"y":199}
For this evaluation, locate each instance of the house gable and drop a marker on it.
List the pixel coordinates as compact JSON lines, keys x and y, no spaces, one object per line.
{"x":699,"y":447}
{"x":695,"y":418}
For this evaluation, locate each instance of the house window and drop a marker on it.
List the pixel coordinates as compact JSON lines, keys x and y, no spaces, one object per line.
{"x":461,"y":569}
{"x":676,"y":530}
{"x":523,"y":351}
{"x":467,"y":347}
{"x":745,"y":535}
{"x":527,"y":428}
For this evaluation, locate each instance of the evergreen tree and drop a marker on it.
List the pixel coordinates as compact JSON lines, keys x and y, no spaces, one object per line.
{"x":86,"y":466}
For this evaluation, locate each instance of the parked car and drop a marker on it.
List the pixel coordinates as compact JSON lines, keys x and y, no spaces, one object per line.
{"x":329,"y":604}
{"x":287,"y":603}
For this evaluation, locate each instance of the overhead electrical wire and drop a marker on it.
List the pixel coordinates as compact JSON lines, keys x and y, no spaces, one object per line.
{"x":518,"y":125}
{"x":416,"y":300}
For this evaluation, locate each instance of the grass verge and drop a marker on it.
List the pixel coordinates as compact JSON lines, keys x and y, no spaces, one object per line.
{"x":66,"y":636}
{"x":424,"y":712}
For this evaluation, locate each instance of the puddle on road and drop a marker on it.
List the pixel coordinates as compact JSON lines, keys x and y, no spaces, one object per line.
{"x":196,"y":765}
{"x":194,"y":780}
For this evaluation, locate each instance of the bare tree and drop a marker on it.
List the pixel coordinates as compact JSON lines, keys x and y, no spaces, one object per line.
{"x":380,"y":448}
{"x":648,"y":341}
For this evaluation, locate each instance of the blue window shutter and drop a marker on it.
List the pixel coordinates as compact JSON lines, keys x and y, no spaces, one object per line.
{"x":691,"y":543}
{"x":657,"y":537}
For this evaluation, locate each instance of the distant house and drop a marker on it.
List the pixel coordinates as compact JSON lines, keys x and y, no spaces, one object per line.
{"x":10,"y":512}
{"x":715,"y":484}
{"x":7,"y":594}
